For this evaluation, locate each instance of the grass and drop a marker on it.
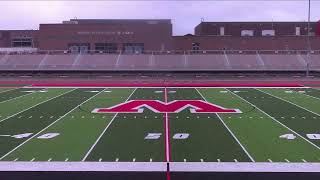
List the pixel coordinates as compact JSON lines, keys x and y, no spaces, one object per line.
{"x":252,"y":135}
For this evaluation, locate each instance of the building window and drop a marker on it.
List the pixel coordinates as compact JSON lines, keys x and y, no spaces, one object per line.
{"x":106,"y":47}
{"x":221,"y":31}
{"x":133,"y":48}
{"x":195,"y":47}
{"x":298,"y":31}
{"x":268,"y":32}
{"x":22,"y":42}
{"x":81,"y":48}
{"x":247,"y":33}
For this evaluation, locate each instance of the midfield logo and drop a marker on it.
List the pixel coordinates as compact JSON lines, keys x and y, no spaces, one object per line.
{"x":137,"y":106}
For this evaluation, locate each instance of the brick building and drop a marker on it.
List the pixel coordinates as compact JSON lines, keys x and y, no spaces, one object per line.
{"x":132,"y":36}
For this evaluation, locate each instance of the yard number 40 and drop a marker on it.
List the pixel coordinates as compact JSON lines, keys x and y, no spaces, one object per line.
{"x":43,"y":136}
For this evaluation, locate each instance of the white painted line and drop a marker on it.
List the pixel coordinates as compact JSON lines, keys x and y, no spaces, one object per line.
{"x":100,"y":159}
{"x":49,"y":159}
{"x":225,"y":125}
{"x":286,"y":160}
{"x":10,"y":90}
{"x":98,"y":139}
{"x":270,"y":160}
{"x":150,"y":159}
{"x":83,"y":166}
{"x":308,"y":95}
{"x":184,"y":160}
{"x":303,"y":160}
{"x":117,"y":159}
{"x":16,"y":97}
{"x":289,"y":102}
{"x":243,"y":167}
{"x":218,"y":160}
{"x":134,"y":160}
{"x":103,"y":132}
{"x":49,"y":126}
{"x":278,"y":122}
{"x":67,"y":159}
{"x":32,"y":159}
{"x":16,"y":159}
{"x":235,"y":160}
{"x":201,"y":160}
{"x":5,"y":135}
{"x":167,"y":130}
{"x":36,"y":105}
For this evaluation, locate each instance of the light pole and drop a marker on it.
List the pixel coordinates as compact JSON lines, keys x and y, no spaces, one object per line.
{"x":308,"y":39}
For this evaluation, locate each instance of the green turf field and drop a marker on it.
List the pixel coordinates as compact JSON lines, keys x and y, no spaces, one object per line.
{"x":275,"y":125}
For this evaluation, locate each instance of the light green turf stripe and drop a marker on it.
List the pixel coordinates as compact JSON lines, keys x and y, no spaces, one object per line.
{"x":309,"y":102}
{"x":259,"y":133}
{"x":5,"y":89}
{"x":124,"y":139}
{"x":78,"y":130}
{"x":20,"y":104}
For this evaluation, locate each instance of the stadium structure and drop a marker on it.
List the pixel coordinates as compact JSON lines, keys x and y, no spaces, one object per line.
{"x":127,"y":99}
{"x":147,"y":45}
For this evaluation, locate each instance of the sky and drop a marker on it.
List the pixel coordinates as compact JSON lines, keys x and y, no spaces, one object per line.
{"x":185,"y":15}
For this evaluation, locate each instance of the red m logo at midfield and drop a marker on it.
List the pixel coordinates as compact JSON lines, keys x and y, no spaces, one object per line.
{"x":137,"y":106}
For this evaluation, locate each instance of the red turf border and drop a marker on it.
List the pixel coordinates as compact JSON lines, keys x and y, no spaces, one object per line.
{"x":222,"y":84}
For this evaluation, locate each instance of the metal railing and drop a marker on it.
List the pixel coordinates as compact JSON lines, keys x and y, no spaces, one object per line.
{"x":168,"y":52}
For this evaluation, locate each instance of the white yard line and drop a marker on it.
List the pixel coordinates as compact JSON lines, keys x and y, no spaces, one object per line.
{"x":35,"y":105}
{"x":49,"y":125}
{"x":276,"y":120}
{"x":10,"y":90}
{"x":225,"y":125}
{"x":243,"y":148}
{"x":16,"y":97}
{"x":308,"y":95}
{"x":103,"y":132}
{"x":167,"y":130}
{"x":289,"y":102}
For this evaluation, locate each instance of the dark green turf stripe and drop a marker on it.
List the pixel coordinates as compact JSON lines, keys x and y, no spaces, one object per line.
{"x":124,"y":139}
{"x":209,"y":139}
{"x":39,"y":117}
{"x":14,"y":93}
{"x":298,"y":119}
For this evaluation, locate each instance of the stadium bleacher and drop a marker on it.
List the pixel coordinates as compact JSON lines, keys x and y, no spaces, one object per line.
{"x":169,"y":62}
{"x":206,"y":62}
{"x":135,"y":61}
{"x":59,"y":61}
{"x":22,"y":61}
{"x":96,"y":61}
{"x":314,"y":61}
{"x":244,"y":62}
{"x":200,"y":61}
{"x":282,"y":62}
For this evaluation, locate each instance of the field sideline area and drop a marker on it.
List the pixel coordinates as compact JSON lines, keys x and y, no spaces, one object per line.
{"x":160,"y":128}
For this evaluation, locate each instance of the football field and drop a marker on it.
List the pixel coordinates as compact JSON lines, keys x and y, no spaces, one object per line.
{"x":158,"y":124}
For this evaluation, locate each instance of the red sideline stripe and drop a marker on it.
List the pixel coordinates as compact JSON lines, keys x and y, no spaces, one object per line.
{"x":167,"y":137}
{"x":266,"y":84}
